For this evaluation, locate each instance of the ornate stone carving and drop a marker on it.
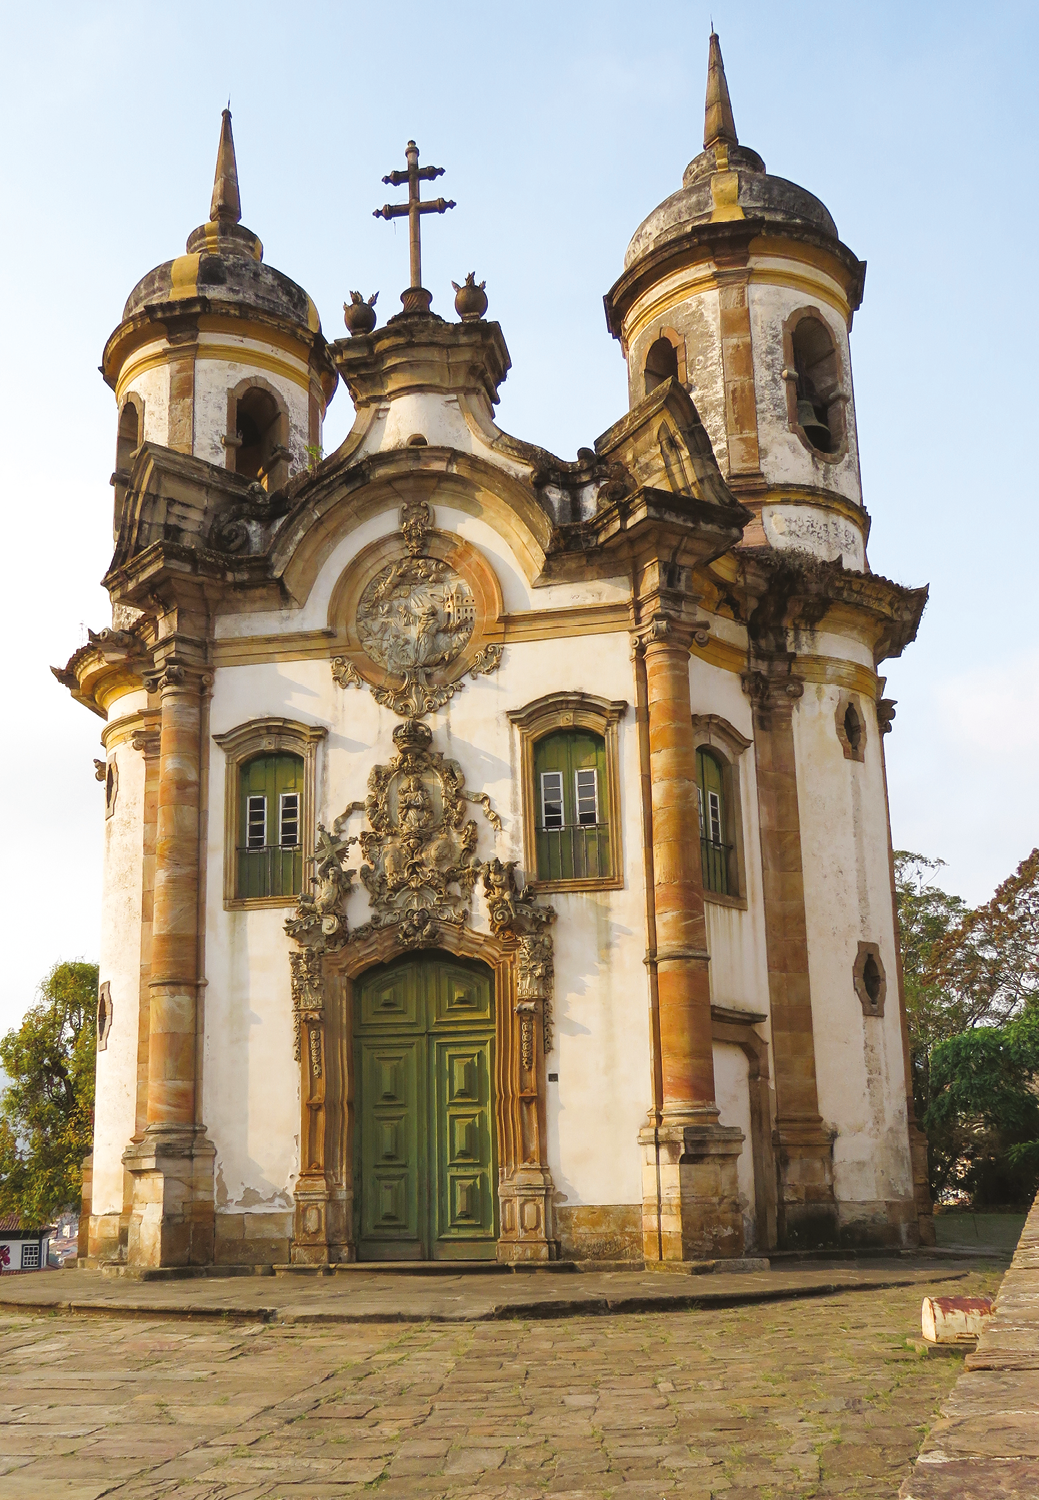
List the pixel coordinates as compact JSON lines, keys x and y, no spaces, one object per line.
{"x":419,"y":848}
{"x":414,"y":620}
{"x":307,"y":992}
{"x":885,"y":714}
{"x":517,"y":913}
{"x":320,"y":919}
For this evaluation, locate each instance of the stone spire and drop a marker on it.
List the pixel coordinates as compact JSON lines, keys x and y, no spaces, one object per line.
{"x":227,"y":205}
{"x":718,"y":127}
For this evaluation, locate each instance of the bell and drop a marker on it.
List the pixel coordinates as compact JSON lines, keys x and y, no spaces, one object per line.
{"x":813,"y":427}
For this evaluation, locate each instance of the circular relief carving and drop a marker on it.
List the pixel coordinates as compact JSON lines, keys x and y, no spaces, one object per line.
{"x":416,"y":614}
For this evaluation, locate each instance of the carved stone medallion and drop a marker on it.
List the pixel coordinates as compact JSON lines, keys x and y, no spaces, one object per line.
{"x":415,"y":621}
{"x":416,"y":615}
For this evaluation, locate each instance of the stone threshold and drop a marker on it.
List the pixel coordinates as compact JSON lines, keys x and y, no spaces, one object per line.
{"x":380,"y":1298}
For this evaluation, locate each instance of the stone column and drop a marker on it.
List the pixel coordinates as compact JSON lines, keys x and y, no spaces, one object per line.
{"x":690,"y":1191}
{"x":806,"y":1210}
{"x":171,"y":1222}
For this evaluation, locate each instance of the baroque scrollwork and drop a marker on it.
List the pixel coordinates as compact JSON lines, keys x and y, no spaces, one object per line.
{"x":517,"y":913}
{"x":414,"y":620}
{"x":419,"y":848}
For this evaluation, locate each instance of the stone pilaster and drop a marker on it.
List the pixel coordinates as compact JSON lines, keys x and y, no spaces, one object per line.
{"x":172,"y":1214}
{"x":806,"y":1207}
{"x":690,"y":1191}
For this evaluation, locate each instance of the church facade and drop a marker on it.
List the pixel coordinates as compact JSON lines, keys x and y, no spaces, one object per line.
{"x":497,"y":855}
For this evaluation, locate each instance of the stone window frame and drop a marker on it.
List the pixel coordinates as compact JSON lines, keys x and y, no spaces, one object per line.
{"x":677,"y":343}
{"x":266,"y":736}
{"x":712,"y":732}
{"x":551,"y":714}
{"x":836,"y":401}
{"x":104,"y":1015}
{"x":844,"y":702}
{"x":870,"y":1007}
{"x":111,"y":786}
{"x":278,"y":470}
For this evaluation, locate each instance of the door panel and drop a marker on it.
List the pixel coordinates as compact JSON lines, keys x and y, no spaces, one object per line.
{"x":392,"y":1166}
{"x":460,"y":997}
{"x":464,"y":1176}
{"x":393,"y":1001}
{"x":425,"y":1184}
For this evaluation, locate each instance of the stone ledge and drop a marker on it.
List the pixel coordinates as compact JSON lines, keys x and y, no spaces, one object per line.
{"x":985,"y":1445}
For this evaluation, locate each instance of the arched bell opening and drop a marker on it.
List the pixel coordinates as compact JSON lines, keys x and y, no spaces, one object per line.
{"x":258,"y":431}
{"x":814,"y":386}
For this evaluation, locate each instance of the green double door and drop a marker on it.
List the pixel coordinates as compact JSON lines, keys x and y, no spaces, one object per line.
{"x":425,"y":1175}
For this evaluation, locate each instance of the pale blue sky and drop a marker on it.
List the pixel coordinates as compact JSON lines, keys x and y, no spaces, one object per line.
{"x":560,"y":126}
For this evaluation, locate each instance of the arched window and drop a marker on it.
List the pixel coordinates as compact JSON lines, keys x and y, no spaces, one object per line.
{"x":715,"y":847}
{"x":128,"y":438}
{"x":269,"y":853}
{"x":257,"y":424}
{"x":573,"y":827}
{"x":661,"y":363}
{"x":813,"y":374}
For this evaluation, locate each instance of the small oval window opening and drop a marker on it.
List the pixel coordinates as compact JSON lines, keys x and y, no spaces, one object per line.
{"x":661,"y":364}
{"x":871,"y":979}
{"x":853,"y":727}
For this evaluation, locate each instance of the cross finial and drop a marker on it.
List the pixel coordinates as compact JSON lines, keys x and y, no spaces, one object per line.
{"x":416,"y":298}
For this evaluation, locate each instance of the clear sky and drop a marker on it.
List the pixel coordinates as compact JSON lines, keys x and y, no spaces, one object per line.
{"x":561,"y":126}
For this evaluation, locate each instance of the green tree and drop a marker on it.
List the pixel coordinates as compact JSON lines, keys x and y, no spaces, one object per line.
{"x":983,"y":1120}
{"x":926,"y":914}
{"x":47,"y":1110}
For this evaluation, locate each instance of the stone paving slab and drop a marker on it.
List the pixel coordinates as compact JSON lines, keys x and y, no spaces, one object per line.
{"x":986,"y":1445}
{"x":458,"y":1298}
{"x":825,"y":1397}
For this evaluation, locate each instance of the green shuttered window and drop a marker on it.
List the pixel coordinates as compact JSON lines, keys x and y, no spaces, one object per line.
{"x":573,"y":834}
{"x":714,"y":850}
{"x":269,"y":854}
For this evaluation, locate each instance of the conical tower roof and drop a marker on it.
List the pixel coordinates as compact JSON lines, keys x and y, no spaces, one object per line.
{"x":224,"y":261}
{"x":750,"y":191}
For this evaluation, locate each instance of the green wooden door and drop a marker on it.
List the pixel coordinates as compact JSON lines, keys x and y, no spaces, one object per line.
{"x":424,"y":1163}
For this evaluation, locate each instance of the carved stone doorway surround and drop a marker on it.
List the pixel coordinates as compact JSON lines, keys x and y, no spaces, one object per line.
{"x":324,"y":1197}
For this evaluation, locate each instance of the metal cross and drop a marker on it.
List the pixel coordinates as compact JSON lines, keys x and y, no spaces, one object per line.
{"x":414,"y":208}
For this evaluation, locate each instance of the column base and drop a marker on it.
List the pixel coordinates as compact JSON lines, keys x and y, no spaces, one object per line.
{"x":807,"y":1217}
{"x":322,"y":1228}
{"x":523,"y":1200}
{"x":172,"y":1213}
{"x":690,"y":1192}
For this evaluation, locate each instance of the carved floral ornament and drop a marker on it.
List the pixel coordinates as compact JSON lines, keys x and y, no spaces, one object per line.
{"x":419,"y":866}
{"x":414,"y":621}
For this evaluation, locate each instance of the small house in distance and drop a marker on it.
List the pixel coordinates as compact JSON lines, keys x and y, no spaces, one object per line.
{"x":22,"y":1247}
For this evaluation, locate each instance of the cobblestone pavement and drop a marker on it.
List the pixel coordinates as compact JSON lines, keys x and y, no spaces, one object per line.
{"x":796,"y":1399}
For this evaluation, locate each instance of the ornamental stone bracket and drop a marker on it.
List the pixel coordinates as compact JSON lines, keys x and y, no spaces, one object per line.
{"x":419,"y":867}
{"x":415,"y":623}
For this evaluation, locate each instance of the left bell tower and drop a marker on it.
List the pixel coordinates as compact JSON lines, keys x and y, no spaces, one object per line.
{"x":218,"y":355}
{"x":222,"y":380}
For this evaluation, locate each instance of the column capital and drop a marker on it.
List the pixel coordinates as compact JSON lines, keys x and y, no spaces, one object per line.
{"x":177,"y":673}
{"x":770,"y":682}
{"x":664,"y":628}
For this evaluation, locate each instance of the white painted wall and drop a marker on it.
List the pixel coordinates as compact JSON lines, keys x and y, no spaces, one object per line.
{"x":120,"y":964}
{"x":844,"y":845}
{"x":732,"y":1091}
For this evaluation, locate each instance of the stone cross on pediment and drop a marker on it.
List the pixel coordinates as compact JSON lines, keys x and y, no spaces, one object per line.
{"x":416,"y":299}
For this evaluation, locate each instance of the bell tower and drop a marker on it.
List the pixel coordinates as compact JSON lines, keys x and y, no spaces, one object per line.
{"x":219,"y":355}
{"x":739,"y":287}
